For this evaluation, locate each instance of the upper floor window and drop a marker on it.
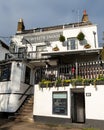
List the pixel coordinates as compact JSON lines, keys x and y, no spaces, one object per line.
{"x":21,"y":49}
{"x":27,"y":75}
{"x":72,"y":43}
{"x":12,"y":47}
{"x":5,"y":72}
{"x":40,"y":49}
{"x":22,"y":52}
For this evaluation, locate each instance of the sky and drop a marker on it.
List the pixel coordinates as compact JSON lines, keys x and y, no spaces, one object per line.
{"x":43,"y":13}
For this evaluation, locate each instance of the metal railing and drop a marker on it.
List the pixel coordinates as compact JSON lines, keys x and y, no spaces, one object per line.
{"x":26,"y":55}
{"x":25,"y":92}
{"x":88,"y":70}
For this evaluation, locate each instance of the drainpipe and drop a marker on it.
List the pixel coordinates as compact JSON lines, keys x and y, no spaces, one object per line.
{"x":94,"y":33}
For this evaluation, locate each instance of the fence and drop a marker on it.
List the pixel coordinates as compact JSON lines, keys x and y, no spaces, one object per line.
{"x":88,"y":70}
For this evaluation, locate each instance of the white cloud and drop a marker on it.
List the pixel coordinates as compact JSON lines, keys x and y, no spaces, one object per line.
{"x":38,"y":13}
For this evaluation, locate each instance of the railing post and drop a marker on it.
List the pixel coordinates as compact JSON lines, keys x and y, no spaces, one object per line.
{"x":76,"y":71}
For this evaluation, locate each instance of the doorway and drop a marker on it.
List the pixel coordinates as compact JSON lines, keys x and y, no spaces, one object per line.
{"x":77,"y":105}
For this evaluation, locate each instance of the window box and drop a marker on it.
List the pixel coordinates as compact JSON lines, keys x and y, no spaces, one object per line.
{"x":58,"y":82}
{"x":46,"y":83}
{"x":66,"y":82}
{"x":51,"y":84}
{"x":77,"y":81}
{"x":86,"y":82}
{"x":43,"y":85}
{"x":98,"y":81}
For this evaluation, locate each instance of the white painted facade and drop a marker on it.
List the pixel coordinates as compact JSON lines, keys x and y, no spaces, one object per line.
{"x":94,"y":104}
{"x":70,"y":32}
{"x":43,"y":101}
{"x":11,"y":91}
{"x":39,"y":50}
{"x":3,"y":50}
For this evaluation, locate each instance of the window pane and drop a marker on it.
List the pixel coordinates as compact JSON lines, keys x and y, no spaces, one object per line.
{"x":60,"y":103}
{"x":5,"y":72}
{"x":72,"y":43}
{"x":27,"y":75}
{"x":40,"y":49}
{"x":59,"y":95}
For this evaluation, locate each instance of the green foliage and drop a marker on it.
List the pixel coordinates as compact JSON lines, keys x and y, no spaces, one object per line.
{"x":58,"y":81}
{"x":86,"y":81}
{"x":100,"y":77}
{"x":45,"y":82}
{"x":78,"y":79}
{"x":80,"y":36}
{"x":61,"y":38}
{"x":67,"y":81}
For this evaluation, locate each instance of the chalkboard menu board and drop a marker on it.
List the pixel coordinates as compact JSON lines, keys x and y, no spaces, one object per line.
{"x":60,"y":103}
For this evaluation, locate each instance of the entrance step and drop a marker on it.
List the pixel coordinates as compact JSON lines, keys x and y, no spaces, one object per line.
{"x":25,"y":113}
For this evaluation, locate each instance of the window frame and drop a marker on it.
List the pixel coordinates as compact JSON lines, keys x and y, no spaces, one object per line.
{"x":69,"y":46}
{"x":5,"y":69}
{"x":22,"y":52}
{"x":39,"y":49}
{"x":27,"y":75}
{"x":60,"y":107}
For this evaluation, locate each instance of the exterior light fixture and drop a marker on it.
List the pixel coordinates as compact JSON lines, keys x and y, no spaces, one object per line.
{"x":18,"y":64}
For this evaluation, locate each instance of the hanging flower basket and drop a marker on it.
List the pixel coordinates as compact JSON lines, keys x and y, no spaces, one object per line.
{"x":61,"y":38}
{"x":55,"y":48}
{"x":87,"y":46}
{"x":80,"y":36}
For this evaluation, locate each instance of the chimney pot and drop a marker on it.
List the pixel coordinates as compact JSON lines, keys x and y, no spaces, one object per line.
{"x":20,"y":26}
{"x":85,"y":17}
{"x":84,"y":12}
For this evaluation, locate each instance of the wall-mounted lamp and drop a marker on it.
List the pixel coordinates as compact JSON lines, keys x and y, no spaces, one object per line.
{"x":18,"y":64}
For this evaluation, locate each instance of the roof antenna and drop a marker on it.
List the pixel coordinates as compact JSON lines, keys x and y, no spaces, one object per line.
{"x":78,"y":17}
{"x":77,"y":12}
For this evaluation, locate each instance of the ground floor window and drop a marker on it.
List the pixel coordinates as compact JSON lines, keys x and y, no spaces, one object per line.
{"x":60,"y":103}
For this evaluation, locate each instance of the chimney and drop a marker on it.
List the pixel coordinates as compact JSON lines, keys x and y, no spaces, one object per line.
{"x":85,"y":17}
{"x":20,"y":26}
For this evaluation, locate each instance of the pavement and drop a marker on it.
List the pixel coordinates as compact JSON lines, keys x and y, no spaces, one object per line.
{"x":13,"y":125}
